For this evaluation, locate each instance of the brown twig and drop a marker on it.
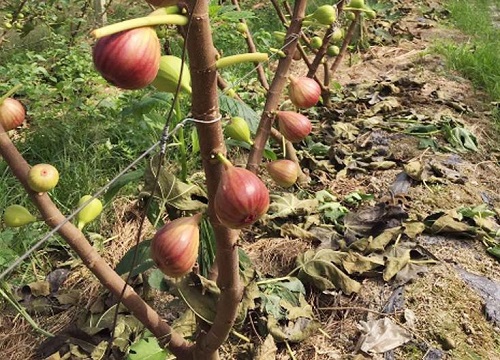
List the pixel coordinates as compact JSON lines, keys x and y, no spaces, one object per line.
{"x":277,"y":86}
{"x":90,"y":257}
{"x":205,"y":108}
{"x":261,"y":74}
{"x":347,"y":40}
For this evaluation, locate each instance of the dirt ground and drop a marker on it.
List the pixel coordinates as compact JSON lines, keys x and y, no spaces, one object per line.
{"x":441,"y":311}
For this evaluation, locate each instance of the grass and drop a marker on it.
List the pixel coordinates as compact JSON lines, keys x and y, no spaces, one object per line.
{"x":478,"y":58}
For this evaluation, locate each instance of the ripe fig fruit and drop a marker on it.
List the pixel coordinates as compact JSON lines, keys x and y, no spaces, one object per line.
{"x":304,"y":92}
{"x":128,"y":59}
{"x":43,"y":178}
{"x":168,"y":75}
{"x":325,"y":15}
{"x":12,"y":114}
{"x":238,"y":129}
{"x":316,"y":42}
{"x":333,"y":50}
{"x":294,"y":126}
{"x":90,"y":212}
{"x":241,"y":198}
{"x":174,"y":247}
{"x":17,"y":215}
{"x":284,"y":172}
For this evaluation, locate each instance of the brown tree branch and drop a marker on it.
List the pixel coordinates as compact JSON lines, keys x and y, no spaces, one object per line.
{"x":277,"y":86}
{"x":261,"y":74}
{"x":91,"y":258}
{"x":347,"y":40}
{"x":205,"y":108}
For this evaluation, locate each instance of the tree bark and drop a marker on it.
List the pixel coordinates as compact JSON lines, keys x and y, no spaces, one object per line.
{"x":277,"y":86}
{"x":91,"y":258}
{"x":205,"y":109}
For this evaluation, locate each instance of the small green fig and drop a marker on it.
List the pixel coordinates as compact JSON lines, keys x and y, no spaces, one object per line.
{"x":90,"y":212}
{"x":242,"y":28}
{"x":316,"y":42}
{"x":370,"y":14}
{"x":168,"y":75}
{"x":17,"y":215}
{"x":337,"y":35}
{"x":350,"y":15}
{"x":358,"y":4}
{"x":238,"y":129}
{"x":279,"y":35}
{"x":325,"y":15}
{"x":332,"y":50}
{"x":43,"y":178}
{"x":7,"y":25}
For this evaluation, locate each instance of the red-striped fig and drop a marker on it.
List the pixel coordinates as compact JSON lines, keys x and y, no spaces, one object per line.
{"x":284,"y":172}
{"x":12,"y":114}
{"x":174,"y":247}
{"x":241,"y":198}
{"x":128,"y":59}
{"x":304,"y":92}
{"x":294,"y":126}
{"x":42,"y":177}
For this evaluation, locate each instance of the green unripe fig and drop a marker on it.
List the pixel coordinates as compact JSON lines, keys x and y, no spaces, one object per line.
{"x":168,"y":75}
{"x":332,"y":50}
{"x":325,"y":15}
{"x":20,"y":16}
{"x":9,"y":16}
{"x":350,"y":15}
{"x":279,"y":35}
{"x":7,"y":25}
{"x":19,"y":26}
{"x":238,"y":129}
{"x":358,"y":4}
{"x":370,"y":14}
{"x":43,"y":177}
{"x":337,"y":35}
{"x":17,"y":215}
{"x":316,"y":42}
{"x":242,"y":28}
{"x":90,"y":212}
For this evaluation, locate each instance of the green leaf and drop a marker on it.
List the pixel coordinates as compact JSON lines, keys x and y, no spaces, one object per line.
{"x":121,"y":182}
{"x":318,"y":268}
{"x":495,"y":251}
{"x":177,"y":194}
{"x":143,"y":259}
{"x":146,"y":349}
{"x":157,"y":280}
{"x":460,"y":138}
{"x":236,"y":107}
{"x":289,"y":204}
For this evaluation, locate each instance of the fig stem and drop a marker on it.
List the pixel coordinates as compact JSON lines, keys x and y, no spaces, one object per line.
{"x":169,"y":10}
{"x":10,"y":92}
{"x":223,"y":160}
{"x":170,"y":19}
{"x":240,"y":58}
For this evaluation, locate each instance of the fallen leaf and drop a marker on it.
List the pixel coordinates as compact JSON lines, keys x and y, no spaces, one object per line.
{"x":380,"y":336}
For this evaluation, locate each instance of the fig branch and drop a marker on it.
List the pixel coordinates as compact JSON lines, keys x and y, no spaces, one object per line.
{"x":261,"y":74}
{"x":89,"y":255}
{"x":276,"y":88}
{"x":205,"y":108}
